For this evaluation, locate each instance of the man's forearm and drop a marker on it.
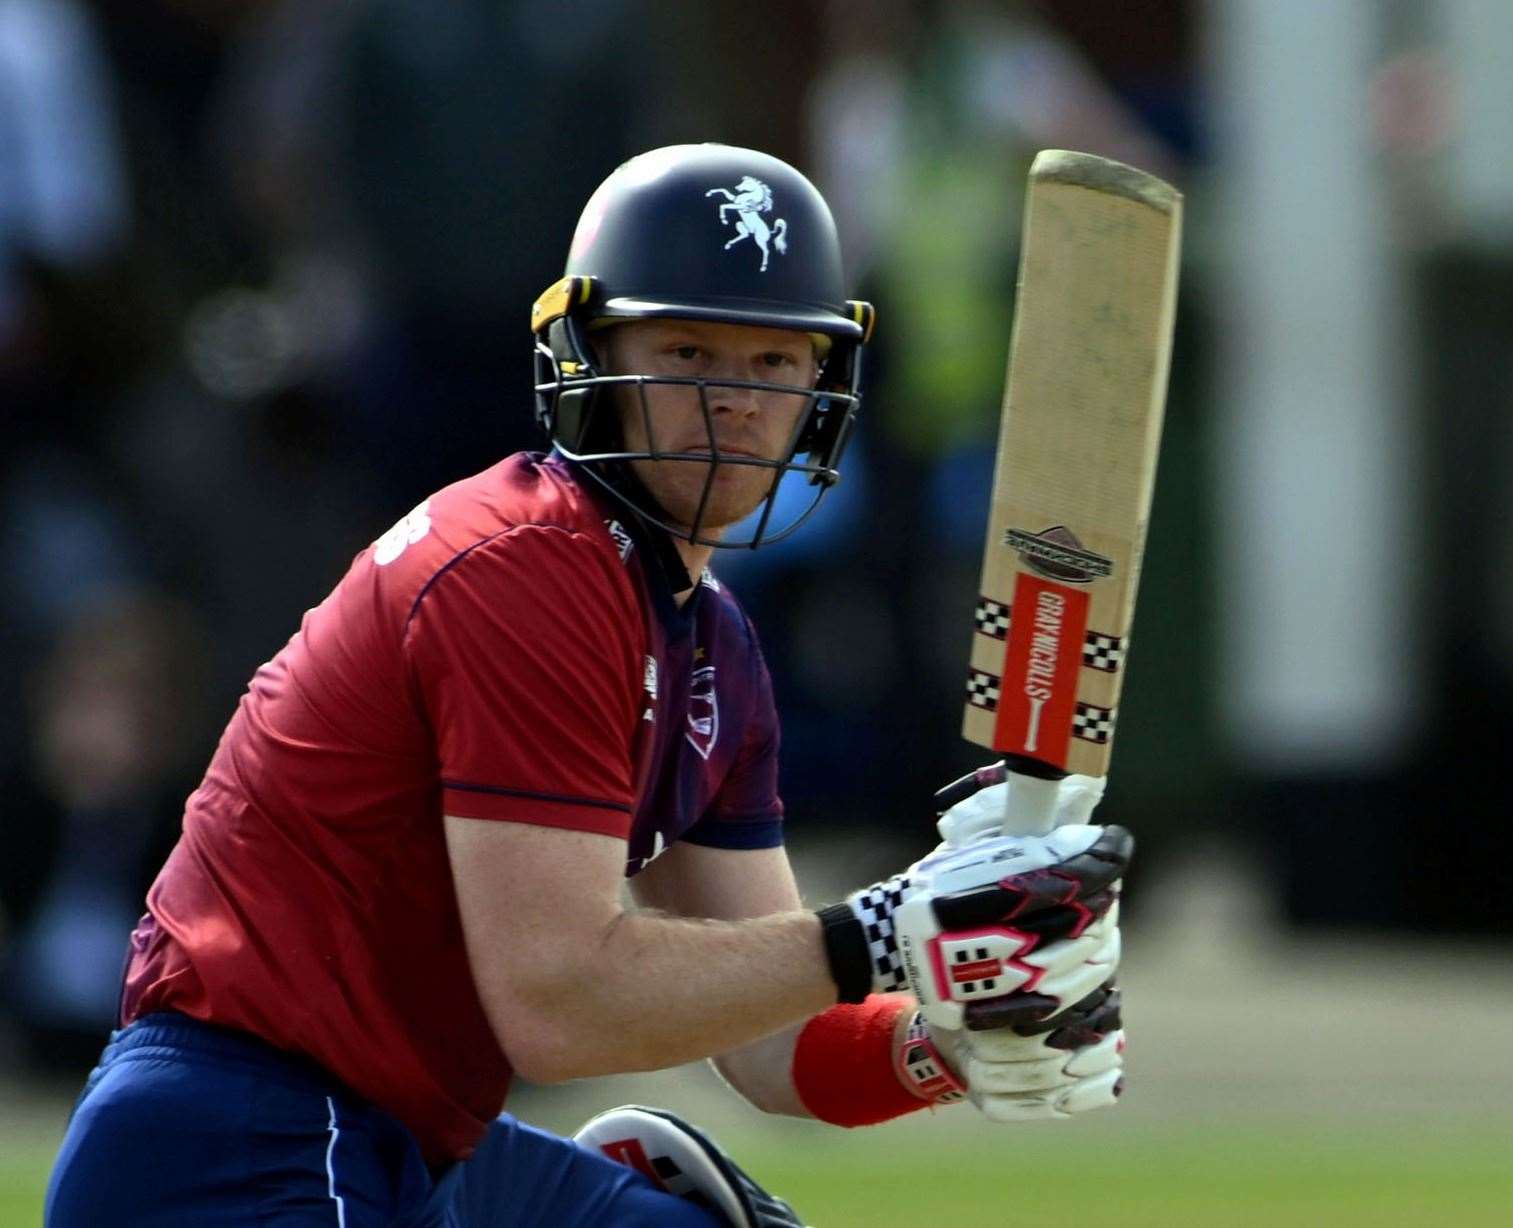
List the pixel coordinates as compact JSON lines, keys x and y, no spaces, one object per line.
{"x":762,"y":1072}
{"x":658,"y":990}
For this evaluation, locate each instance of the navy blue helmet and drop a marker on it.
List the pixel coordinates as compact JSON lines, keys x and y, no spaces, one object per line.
{"x":700,"y":232}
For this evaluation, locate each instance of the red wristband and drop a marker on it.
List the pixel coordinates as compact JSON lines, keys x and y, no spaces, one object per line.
{"x":843,"y":1065}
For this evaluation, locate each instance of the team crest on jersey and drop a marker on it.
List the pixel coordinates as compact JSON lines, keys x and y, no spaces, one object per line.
{"x":750,"y":199}
{"x":703,"y":711}
{"x":621,"y":538}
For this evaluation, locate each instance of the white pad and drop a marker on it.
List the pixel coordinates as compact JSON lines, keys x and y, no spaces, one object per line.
{"x":685,"y":1162}
{"x":654,"y":1147}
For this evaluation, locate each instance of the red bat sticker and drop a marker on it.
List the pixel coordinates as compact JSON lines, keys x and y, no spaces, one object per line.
{"x":1041,"y":660}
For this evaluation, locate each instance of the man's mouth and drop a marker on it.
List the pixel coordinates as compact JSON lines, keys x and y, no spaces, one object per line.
{"x":720,"y":449}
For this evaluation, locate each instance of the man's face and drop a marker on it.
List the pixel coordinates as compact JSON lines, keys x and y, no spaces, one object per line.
{"x":744,"y":421}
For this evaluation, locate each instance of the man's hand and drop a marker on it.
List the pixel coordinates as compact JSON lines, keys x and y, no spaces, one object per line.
{"x":1031,"y":1072}
{"x":1018,"y":926}
{"x":1026,"y":1056}
{"x":976,"y":804}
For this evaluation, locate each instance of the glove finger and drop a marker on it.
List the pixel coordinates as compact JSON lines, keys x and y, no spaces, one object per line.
{"x":1018,"y":898}
{"x":1027,"y":1106}
{"x":1098,"y":1012}
{"x":1086,"y":1029}
{"x":1005,"y":1048}
{"x":1069,"y":920}
{"x":1059,"y":957}
{"x":1065,"y":884}
{"x":1006,"y":1078}
{"x":974,"y":781}
{"x":1063,"y":1000}
{"x":1079,"y":796}
{"x":1099,"y":1092}
{"x":1100,"y":945}
{"x":1104,"y":863}
{"x":1075,"y":983}
{"x":1107,"y":1054}
{"x":1019,"y":1011}
{"x":1003,"y":1045}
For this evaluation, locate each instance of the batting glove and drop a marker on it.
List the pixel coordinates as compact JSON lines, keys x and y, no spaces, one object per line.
{"x":975,"y":805}
{"x":1021,"y":915}
{"x":1033,"y":1072}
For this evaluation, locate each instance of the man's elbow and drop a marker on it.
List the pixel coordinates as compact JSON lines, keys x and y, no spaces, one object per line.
{"x":547,"y":1054}
{"x":560,"y":1039}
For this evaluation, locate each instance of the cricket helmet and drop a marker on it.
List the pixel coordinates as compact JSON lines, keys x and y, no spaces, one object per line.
{"x":701,"y":232}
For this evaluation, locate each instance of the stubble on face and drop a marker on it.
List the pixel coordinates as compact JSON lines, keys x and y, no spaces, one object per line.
{"x":739,"y":423}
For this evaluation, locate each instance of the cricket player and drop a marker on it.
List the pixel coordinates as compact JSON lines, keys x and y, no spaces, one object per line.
{"x":401,"y":880}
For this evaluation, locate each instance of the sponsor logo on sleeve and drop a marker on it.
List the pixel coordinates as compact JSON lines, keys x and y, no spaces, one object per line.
{"x":403,"y":535}
{"x":621,"y":538}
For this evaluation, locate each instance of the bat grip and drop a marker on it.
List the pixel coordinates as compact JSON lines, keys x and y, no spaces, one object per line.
{"x":1031,"y":806}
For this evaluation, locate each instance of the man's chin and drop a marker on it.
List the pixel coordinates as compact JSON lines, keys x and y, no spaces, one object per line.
{"x":713,"y":523}
{"x":723,"y":509}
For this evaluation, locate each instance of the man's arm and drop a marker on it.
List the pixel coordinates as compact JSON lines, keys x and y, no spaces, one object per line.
{"x":694,"y":880}
{"x":574,"y":984}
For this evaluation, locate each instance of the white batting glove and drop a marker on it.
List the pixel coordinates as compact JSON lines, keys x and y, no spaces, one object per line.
{"x":1024,"y":918}
{"x":1057,"y":1071}
{"x":1010,"y":929}
{"x":1028,"y":1055}
{"x":975,"y":805}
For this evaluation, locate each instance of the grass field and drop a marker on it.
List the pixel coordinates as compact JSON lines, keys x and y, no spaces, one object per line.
{"x":1163,"y":1178}
{"x":1157,"y":1177}
{"x":1272,"y":1081}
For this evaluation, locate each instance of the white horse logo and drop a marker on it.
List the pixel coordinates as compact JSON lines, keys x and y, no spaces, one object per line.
{"x":750,"y":200}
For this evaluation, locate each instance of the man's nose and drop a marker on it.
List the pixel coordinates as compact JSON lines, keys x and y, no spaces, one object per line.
{"x":723,"y":398}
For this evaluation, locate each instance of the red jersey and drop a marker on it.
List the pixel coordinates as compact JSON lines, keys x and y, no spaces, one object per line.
{"x":506,"y":652}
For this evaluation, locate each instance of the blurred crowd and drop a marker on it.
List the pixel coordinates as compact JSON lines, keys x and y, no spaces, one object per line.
{"x":265,"y":267}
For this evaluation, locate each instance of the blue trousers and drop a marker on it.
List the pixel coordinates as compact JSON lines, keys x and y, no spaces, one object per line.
{"x":185,"y":1124}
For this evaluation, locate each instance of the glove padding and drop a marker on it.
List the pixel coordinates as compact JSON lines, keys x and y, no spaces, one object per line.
{"x":1037,"y":1071}
{"x":1020,"y":915}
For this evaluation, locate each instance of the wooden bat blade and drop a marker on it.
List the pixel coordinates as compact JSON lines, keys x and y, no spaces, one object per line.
{"x":1083,"y":405}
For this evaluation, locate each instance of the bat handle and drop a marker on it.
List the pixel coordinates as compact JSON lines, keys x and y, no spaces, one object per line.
{"x":1031,"y":806}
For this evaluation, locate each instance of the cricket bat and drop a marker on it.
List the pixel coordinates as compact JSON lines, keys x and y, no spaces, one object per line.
{"x":1082,"y":410}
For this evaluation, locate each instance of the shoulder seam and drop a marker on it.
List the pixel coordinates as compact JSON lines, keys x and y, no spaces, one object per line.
{"x":484,"y":541}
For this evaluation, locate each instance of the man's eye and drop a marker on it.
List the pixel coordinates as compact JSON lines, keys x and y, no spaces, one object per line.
{"x":778,"y":360}
{"x":686,"y":352}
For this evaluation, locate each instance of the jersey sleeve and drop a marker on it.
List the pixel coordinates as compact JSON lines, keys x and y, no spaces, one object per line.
{"x":746,"y":811}
{"x":526,"y":651}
